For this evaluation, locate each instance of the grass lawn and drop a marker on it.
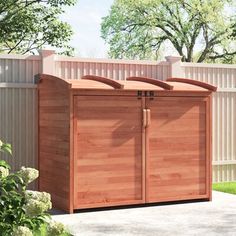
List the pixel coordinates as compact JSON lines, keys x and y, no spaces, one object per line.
{"x":227,"y":187}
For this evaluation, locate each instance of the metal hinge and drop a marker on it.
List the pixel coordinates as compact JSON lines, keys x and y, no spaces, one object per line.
{"x":151,"y":93}
{"x":139,"y":94}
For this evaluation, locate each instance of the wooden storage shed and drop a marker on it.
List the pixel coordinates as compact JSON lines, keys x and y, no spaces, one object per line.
{"x":106,"y":143}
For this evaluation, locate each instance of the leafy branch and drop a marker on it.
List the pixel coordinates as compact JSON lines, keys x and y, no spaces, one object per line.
{"x":27,"y":25}
{"x":196,"y":30}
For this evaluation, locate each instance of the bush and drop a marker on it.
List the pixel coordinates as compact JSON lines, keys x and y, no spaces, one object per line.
{"x":24,"y":212}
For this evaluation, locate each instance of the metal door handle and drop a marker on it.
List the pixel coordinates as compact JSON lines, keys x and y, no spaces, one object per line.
{"x":144,"y":118}
{"x":148,"y":121}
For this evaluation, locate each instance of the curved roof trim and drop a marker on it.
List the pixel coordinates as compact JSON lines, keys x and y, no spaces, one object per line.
{"x":156,"y":82}
{"x":39,"y":77}
{"x":112,"y":83}
{"x":193,"y":82}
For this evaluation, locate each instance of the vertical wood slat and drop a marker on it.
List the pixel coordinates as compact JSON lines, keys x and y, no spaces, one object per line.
{"x":224,"y":115}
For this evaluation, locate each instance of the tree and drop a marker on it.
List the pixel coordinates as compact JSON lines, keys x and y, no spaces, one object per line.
{"x":199,"y":30}
{"x":27,"y":25}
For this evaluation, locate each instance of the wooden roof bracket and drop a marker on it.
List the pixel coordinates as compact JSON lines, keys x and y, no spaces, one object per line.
{"x":193,"y":82}
{"x":113,"y":83}
{"x":156,"y":82}
{"x":39,"y":77}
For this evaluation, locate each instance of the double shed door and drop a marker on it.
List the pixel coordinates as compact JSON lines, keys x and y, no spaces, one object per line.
{"x":126,"y":155}
{"x":178,"y":149}
{"x":108,"y":158}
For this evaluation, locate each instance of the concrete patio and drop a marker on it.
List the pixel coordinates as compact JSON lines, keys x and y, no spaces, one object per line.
{"x":196,"y":218}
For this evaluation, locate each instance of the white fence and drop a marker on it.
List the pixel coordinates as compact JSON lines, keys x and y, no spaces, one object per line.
{"x":18,"y":107}
{"x":116,"y":69}
{"x":224,"y":115}
{"x":18,"y":99}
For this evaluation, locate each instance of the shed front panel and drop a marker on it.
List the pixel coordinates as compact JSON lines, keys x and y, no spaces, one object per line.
{"x":176,"y":152}
{"x":107,"y":151}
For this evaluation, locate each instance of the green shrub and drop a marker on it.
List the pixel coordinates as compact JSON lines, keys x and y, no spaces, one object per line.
{"x":24,"y":212}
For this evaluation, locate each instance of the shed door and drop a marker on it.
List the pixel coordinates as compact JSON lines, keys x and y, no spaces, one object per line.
{"x":176,"y":151}
{"x":107,"y":151}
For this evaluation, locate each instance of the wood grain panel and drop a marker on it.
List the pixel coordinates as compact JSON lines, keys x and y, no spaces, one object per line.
{"x":54,"y":123}
{"x":107,"y":150}
{"x":176,"y":149}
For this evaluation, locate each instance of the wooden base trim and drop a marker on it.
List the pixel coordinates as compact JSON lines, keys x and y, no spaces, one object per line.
{"x":181,"y":198}
{"x":95,"y":205}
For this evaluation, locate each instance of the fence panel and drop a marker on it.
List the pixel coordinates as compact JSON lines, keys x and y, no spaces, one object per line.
{"x":223,"y":114}
{"x":18,"y":108}
{"x":74,"y":68}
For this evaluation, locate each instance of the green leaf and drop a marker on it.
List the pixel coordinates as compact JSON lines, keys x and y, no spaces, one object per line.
{"x":6,"y":147}
{"x":5,"y":164}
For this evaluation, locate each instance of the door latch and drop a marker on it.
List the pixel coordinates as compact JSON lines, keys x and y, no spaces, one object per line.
{"x":151,"y":93}
{"x":139,"y":94}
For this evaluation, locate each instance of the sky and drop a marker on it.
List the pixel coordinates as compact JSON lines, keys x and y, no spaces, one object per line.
{"x":85,"y":19}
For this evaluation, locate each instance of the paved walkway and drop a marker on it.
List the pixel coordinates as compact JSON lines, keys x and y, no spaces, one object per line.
{"x":200,"y":218}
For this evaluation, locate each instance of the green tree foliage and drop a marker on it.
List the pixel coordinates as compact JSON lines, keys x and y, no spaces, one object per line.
{"x":199,"y":30}
{"x":27,"y":25}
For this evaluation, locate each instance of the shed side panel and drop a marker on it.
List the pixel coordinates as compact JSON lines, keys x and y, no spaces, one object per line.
{"x":54,"y":142}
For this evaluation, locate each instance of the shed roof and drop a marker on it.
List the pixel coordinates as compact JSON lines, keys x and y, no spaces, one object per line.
{"x":133,"y":83}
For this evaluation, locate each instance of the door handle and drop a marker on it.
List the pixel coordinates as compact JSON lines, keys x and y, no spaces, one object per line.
{"x":144,"y":118}
{"x":148,"y":121}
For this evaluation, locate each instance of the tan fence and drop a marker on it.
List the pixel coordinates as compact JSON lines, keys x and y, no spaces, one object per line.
{"x":18,"y":107}
{"x":224,"y":115}
{"x":116,"y":69}
{"x":18,"y":99}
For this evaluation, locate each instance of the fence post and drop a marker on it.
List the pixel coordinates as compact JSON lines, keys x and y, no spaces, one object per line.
{"x":175,"y":66}
{"x":47,"y":57}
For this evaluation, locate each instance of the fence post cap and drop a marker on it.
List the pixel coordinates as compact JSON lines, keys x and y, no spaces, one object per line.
{"x":46,"y":52}
{"x":173,"y":59}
